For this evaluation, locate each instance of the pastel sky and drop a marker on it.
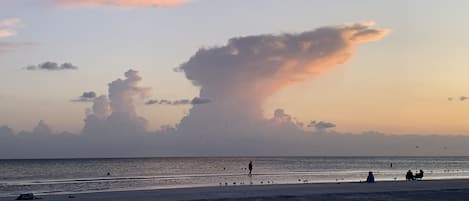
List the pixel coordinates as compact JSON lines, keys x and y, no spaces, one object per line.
{"x":399,"y":84}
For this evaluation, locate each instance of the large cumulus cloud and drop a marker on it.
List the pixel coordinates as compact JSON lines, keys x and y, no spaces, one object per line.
{"x":234,"y":80}
{"x":239,"y":76}
{"x":116,"y":114}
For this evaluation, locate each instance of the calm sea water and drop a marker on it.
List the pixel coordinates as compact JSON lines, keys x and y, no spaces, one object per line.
{"x":49,"y":176}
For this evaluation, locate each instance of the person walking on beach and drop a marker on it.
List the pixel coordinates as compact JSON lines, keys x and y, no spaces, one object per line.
{"x":250,"y":167}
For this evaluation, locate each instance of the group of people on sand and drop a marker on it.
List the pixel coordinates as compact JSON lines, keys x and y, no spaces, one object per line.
{"x":371,"y":178}
{"x":409,"y":176}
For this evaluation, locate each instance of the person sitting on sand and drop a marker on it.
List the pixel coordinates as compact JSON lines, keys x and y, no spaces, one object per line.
{"x":419,"y":175}
{"x":370,"y":178}
{"x":250,"y":167}
{"x":409,"y":176}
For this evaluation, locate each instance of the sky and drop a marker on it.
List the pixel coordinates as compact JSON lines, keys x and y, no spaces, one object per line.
{"x":158,"y":66}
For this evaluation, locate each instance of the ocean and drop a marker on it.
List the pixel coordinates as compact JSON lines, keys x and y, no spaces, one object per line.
{"x":62,"y":176}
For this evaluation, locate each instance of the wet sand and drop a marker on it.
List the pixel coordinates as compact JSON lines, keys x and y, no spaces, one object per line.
{"x":426,"y":190}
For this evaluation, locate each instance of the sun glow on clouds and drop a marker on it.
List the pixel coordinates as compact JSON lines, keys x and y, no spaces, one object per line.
{"x":118,"y":3}
{"x":240,"y":76}
{"x":7,"y":27}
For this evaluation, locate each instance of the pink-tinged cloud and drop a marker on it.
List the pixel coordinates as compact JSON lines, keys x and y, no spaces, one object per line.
{"x":7,"y":33}
{"x":7,"y":27}
{"x":118,"y":3}
{"x":10,"y":22}
{"x":7,"y":46}
{"x":241,"y":75}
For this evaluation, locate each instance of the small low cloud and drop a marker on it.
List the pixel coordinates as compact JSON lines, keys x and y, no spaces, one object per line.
{"x":194,"y":101}
{"x":51,"y":66}
{"x":118,"y":3}
{"x":321,"y":125}
{"x":461,"y":98}
{"x":86,"y":97}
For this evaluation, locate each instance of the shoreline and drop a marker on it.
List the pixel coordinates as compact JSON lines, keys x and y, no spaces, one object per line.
{"x":276,"y":191}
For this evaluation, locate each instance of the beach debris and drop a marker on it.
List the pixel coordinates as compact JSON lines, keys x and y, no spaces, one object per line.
{"x":27,"y":196}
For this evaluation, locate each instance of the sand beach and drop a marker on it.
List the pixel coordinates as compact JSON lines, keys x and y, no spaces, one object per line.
{"x":426,"y":190}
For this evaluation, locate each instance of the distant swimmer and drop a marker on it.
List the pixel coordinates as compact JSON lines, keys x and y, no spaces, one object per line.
{"x":250,"y":167}
{"x":108,"y":174}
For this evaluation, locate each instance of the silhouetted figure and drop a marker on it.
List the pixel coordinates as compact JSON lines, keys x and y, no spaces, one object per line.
{"x":409,"y":176}
{"x":250,"y":167}
{"x":370,"y":178}
{"x":27,"y":196}
{"x":419,"y":175}
{"x":391,"y":165}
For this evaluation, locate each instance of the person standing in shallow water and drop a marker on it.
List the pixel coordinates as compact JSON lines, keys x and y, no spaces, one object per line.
{"x":250,"y":167}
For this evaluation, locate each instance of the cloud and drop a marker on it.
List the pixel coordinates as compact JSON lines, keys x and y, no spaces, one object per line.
{"x":194,"y":101}
{"x":52,"y":66}
{"x":90,"y":94}
{"x":321,"y":125}
{"x":123,"y":92}
{"x":42,"y":128}
{"x":236,"y":79}
{"x":7,"y":46}
{"x":7,"y":33}
{"x":7,"y":27}
{"x":86,"y":97}
{"x":116,"y":114}
{"x":463,"y":98}
{"x":118,"y":3}
{"x":6,"y":131}
{"x":101,"y":107}
{"x":10,"y":22}
{"x":239,"y":76}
